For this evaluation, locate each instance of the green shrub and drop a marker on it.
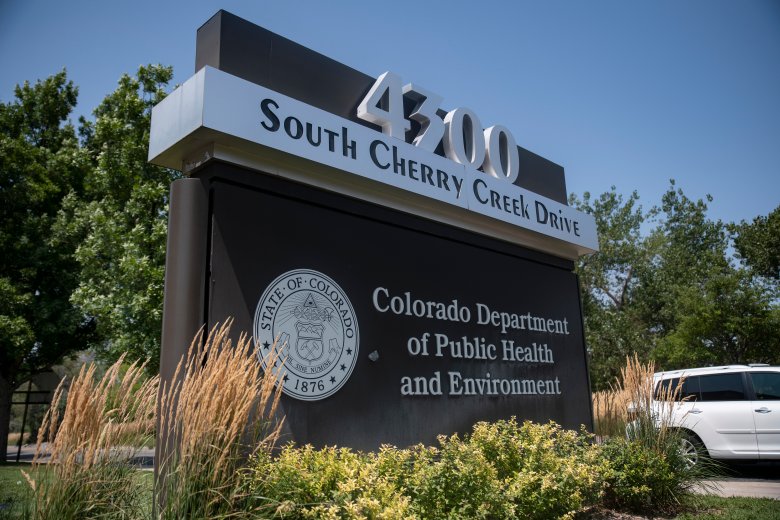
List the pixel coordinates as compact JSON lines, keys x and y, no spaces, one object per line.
{"x":644,"y":476}
{"x":501,"y":470}
{"x":328,"y":483}
{"x":545,"y":471}
{"x":397,"y":465}
{"x":455,"y":481}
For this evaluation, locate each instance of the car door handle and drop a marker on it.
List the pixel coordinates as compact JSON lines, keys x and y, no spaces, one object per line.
{"x":695,"y":410}
{"x":763,"y":409}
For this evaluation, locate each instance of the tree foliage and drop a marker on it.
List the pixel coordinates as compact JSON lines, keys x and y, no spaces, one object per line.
{"x":121,"y":220}
{"x":614,"y":330}
{"x":82,"y":228}
{"x":729,"y":319}
{"x":686,"y":248}
{"x":664,"y":286}
{"x":758,"y":243}
{"x":41,"y":164}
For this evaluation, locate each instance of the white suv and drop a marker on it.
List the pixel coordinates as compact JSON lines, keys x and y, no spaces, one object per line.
{"x":732,"y":412}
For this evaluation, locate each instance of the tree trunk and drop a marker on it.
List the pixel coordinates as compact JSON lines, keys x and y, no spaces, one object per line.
{"x":6,"y":397}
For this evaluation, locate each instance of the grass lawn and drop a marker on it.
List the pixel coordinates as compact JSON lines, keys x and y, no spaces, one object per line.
{"x":735,"y":508}
{"x":13,"y":490}
{"x":699,"y":507}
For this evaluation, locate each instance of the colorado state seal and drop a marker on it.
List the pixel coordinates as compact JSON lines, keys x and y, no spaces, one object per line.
{"x":308,"y":318}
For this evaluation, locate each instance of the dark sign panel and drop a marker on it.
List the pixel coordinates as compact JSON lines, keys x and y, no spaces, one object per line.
{"x":394,"y":330}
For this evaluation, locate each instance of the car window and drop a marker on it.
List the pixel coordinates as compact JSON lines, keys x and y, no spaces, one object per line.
{"x":766,"y":385}
{"x":690,"y":389}
{"x":722,"y":387}
{"x":665,"y":387}
{"x":688,"y":392}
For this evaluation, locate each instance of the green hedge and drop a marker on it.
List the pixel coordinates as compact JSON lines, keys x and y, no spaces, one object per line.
{"x":500,"y":470}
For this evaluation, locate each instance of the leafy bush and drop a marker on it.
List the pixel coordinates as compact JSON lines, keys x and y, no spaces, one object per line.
{"x":641,"y":477}
{"x":327,"y":483}
{"x":502,"y":470}
{"x":545,"y":471}
{"x":455,"y":481}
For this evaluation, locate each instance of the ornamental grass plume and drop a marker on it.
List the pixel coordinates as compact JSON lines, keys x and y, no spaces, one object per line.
{"x":628,"y":401}
{"x":83,"y":463}
{"x":652,"y":424}
{"x":216,"y":391}
{"x":610,"y":412}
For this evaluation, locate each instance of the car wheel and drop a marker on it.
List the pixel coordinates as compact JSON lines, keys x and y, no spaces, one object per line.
{"x":692,"y":450}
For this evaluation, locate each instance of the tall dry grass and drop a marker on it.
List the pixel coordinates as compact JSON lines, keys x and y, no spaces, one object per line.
{"x":610,"y":412}
{"x":615,"y":408}
{"x":216,"y":391}
{"x":83,"y":459}
{"x":83,"y":466}
{"x":629,"y":401}
{"x":650,"y":409}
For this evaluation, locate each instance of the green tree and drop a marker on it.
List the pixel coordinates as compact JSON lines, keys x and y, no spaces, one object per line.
{"x":40,"y":164}
{"x":707,"y":310}
{"x":609,"y":281}
{"x":670,"y":292}
{"x":688,"y":248}
{"x":122,"y":220}
{"x":758,"y":243}
{"x":727,"y":319}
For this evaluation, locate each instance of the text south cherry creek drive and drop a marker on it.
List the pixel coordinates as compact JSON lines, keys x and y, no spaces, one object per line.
{"x":493,"y":150}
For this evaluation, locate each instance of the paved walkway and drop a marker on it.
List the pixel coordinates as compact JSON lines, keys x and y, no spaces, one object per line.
{"x":143,"y":457}
{"x":740,"y":487}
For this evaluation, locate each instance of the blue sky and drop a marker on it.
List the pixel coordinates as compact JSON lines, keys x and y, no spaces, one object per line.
{"x":619,"y":93}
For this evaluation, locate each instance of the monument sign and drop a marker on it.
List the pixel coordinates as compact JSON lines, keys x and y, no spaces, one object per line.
{"x":414,"y":269}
